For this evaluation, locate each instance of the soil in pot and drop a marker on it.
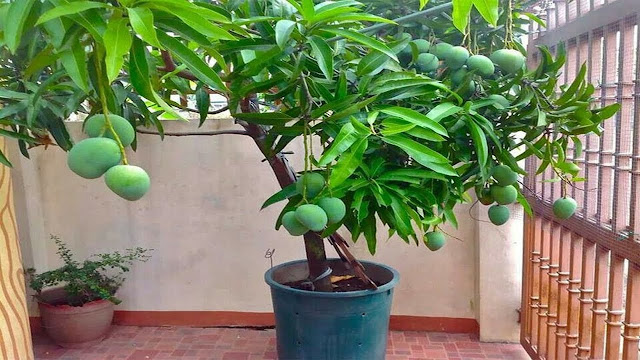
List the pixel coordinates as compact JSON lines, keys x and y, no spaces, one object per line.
{"x":74,"y":326}
{"x":343,"y":280}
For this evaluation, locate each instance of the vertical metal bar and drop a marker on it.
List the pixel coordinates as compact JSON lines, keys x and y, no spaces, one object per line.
{"x":586,"y":298}
{"x":543,"y":306}
{"x":632,"y":318}
{"x":535,"y":281}
{"x":554,"y":266}
{"x":527,"y":270}
{"x":599,"y":303}
{"x":615,"y":310}
{"x":634,"y":216}
{"x":593,"y":142}
{"x":564,"y":273}
{"x":575,"y":280}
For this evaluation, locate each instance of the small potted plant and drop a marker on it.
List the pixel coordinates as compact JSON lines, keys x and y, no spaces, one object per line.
{"x":76,"y":300}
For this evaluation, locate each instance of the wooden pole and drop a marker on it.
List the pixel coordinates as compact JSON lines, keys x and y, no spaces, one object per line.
{"x":15,"y":336}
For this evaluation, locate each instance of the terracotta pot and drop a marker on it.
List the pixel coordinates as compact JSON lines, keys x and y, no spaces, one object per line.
{"x":74,"y":326}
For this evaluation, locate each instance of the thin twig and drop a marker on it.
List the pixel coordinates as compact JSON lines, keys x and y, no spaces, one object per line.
{"x":195,"y":133}
{"x":170,"y":65}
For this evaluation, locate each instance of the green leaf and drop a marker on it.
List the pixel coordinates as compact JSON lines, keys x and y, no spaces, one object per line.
{"x":364,"y":40}
{"x":488,"y":9}
{"x":203,"y":101}
{"x":202,"y":25}
{"x":348,"y":163}
{"x":442,"y":111}
{"x":13,"y":95}
{"x":425,"y":134}
{"x":139,"y":69}
{"x":525,"y":204}
{"x":70,"y":9}
{"x":577,"y":146}
{"x":422,"y":154}
{"x":480,"y":142}
{"x":285,"y":193}
{"x":308,"y":10}
{"x":535,"y":18}
{"x":343,"y":141}
{"x":17,"y":17}
{"x":369,"y":228}
{"x":608,"y":111}
{"x":542,"y":118}
{"x":284,"y":28}
{"x":415,"y":117}
{"x":142,"y":22}
{"x":75,"y":63}
{"x":372,"y":63}
{"x":117,"y":41}
{"x":166,"y":107}
{"x":461,"y":11}
{"x":423,"y":3}
{"x":197,"y":66}
{"x":323,"y":54}
{"x":4,"y":160}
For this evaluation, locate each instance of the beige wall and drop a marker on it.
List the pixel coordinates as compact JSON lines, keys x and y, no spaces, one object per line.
{"x":202,"y":218}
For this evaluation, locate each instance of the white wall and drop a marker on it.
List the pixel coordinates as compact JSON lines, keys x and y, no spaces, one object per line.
{"x":202,"y":218}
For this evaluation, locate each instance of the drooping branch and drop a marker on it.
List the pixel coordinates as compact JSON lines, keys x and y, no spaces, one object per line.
{"x":195,"y":133}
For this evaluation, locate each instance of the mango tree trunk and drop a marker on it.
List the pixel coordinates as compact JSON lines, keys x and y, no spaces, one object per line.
{"x":15,"y":336}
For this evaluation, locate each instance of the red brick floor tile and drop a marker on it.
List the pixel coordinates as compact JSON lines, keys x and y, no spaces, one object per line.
{"x":182,"y":343}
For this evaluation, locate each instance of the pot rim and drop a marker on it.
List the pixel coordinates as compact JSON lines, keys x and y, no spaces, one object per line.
{"x":268,"y":278}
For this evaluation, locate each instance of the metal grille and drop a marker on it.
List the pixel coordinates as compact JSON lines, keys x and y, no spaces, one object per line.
{"x":581,"y":284}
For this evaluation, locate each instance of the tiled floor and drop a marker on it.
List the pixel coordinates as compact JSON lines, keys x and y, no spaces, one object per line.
{"x":182,"y":343}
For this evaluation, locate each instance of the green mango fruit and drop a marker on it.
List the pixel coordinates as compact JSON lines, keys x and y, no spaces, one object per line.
{"x":484,"y":196}
{"x":457,"y":76}
{"x":504,"y":175}
{"x":91,"y":158}
{"x":504,"y":195}
{"x":312,"y":216}
{"x":334,"y":208}
{"x":441,"y":50}
{"x":427,"y":63}
{"x":128,"y":181}
{"x":422,"y":45}
{"x":564,"y":207}
{"x":457,"y":57}
{"x":509,"y":61}
{"x":314,"y":183}
{"x":95,"y":127}
{"x":499,"y":214}
{"x":292,"y":225}
{"x":435,"y":240}
{"x":481,"y":64}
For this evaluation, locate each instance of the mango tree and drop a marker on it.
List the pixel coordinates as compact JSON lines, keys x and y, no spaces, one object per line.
{"x":410,"y":113}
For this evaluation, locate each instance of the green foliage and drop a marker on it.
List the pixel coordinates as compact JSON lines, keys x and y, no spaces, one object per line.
{"x":96,"y":278}
{"x":404,"y":135}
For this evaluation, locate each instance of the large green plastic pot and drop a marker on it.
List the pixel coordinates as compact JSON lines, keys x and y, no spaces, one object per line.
{"x":331,"y":326}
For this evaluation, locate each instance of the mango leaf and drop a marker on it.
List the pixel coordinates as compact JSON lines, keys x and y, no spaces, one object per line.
{"x":202,"y":25}
{"x":70,"y":9}
{"x":17,"y":14}
{"x":346,"y":137}
{"x":364,"y":40}
{"x":480,"y":142}
{"x":166,"y":107}
{"x":416,"y":118}
{"x":74,"y":62}
{"x":372,"y":63}
{"x":323,"y":54}
{"x":285,"y":193}
{"x":525,"y":204}
{"x":461,"y":11}
{"x":203,"y":102}
{"x":423,"y":3}
{"x":422,"y":154}
{"x":442,"y":111}
{"x":284,"y":28}
{"x":117,"y":41}
{"x":4,"y":160}
{"x":348,"y":162}
{"x":488,"y":9}
{"x":142,"y":22}
{"x":369,"y":228}
{"x":197,"y":66}
{"x":139,"y":69}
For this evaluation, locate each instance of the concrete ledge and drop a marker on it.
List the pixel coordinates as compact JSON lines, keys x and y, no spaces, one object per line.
{"x":259,"y":319}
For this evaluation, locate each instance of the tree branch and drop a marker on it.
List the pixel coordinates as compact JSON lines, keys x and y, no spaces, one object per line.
{"x":195,"y":133}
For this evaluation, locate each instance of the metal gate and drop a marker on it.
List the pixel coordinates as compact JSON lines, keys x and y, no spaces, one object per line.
{"x":581,"y":281}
